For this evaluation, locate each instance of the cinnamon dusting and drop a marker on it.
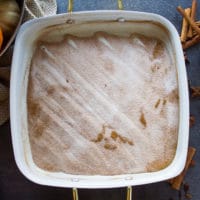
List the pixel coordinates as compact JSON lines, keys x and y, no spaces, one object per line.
{"x":50,"y":90}
{"x":164,"y":102}
{"x":157,"y":164}
{"x":157,"y":104}
{"x":114,"y":135}
{"x":33,"y":107}
{"x":143,"y":120}
{"x":110,"y":146}
{"x":68,"y":114}
{"x":99,"y":138}
{"x":173,"y":96}
{"x":158,"y":50}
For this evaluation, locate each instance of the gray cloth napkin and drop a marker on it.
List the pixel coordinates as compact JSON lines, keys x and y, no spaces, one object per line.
{"x":39,"y":8}
{"x":33,"y":9}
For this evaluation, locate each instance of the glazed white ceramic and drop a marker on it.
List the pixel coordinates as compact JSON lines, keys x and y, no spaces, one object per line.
{"x":86,"y":23}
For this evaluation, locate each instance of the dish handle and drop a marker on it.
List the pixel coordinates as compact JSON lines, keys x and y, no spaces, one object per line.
{"x":70,"y":5}
{"x":128,"y":193}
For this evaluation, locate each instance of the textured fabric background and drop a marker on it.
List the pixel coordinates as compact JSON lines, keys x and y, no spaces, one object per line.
{"x":33,"y":9}
{"x":39,"y":8}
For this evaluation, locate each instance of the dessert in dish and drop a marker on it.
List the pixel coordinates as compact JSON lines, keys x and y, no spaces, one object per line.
{"x":103,"y":105}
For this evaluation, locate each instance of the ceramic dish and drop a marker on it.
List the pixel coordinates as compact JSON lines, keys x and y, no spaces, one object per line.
{"x":121,"y":22}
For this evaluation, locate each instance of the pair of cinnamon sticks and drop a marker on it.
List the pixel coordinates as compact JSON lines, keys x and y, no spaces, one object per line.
{"x":177,"y":181}
{"x":190,"y":33}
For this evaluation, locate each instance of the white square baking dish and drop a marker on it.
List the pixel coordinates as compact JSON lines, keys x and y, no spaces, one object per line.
{"x":108,"y":21}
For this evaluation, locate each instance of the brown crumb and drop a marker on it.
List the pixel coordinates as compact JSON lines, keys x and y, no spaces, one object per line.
{"x":114,"y":135}
{"x":186,"y":58}
{"x":122,"y":139}
{"x":99,"y":138}
{"x":110,"y":146}
{"x":192,"y":120}
{"x":143,"y":120}
{"x":164,"y":102}
{"x":157,"y":104}
{"x":130,"y":143}
{"x":188,"y":196}
{"x":195,"y":91}
{"x":186,"y":187}
{"x":125,"y":140}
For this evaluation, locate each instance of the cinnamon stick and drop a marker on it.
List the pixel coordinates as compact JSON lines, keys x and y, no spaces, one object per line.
{"x":192,"y":23}
{"x":194,"y":33}
{"x":191,"y":42}
{"x":179,"y":179}
{"x":197,"y":23}
{"x":170,"y":181}
{"x":193,"y":17}
{"x":185,"y":26}
{"x":192,"y":164}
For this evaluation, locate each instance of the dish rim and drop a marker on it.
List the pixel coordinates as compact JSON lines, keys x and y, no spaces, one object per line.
{"x":96,"y":181}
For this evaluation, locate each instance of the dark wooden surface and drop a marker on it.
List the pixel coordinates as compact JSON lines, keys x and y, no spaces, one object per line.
{"x":13,"y":185}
